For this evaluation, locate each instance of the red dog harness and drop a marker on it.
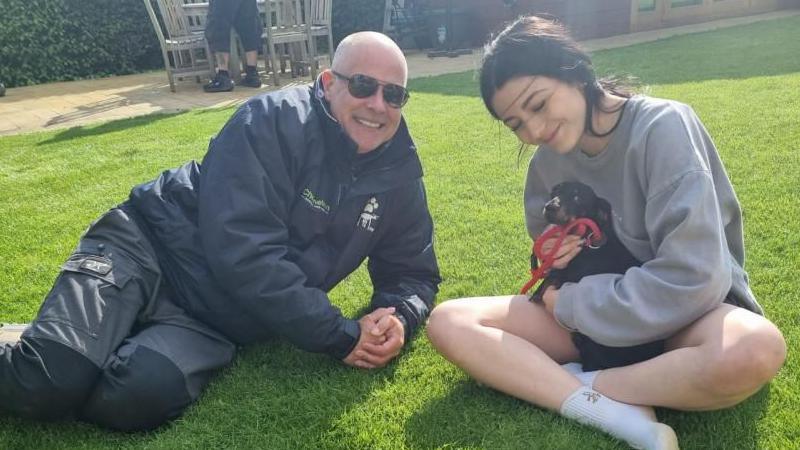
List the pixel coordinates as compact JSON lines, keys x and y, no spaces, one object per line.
{"x":578,"y":227}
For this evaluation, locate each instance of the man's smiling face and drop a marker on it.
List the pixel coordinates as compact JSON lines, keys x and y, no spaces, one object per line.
{"x":368,"y":121}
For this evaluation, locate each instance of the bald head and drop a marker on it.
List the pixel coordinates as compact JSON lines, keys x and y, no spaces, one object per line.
{"x":372,"y":47}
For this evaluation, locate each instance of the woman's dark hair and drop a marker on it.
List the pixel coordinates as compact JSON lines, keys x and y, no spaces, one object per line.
{"x":533,"y":45}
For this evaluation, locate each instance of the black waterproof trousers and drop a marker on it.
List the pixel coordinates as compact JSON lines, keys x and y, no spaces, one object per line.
{"x":109,"y":346}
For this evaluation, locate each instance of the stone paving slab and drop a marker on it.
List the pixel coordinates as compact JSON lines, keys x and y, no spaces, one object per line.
{"x":76,"y":103}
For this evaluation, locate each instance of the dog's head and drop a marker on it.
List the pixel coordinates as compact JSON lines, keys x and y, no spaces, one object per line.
{"x":571,"y":200}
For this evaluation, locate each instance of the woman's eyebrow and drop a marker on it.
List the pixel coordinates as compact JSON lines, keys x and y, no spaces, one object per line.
{"x":524,"y":104}
{"x":530,"y":97}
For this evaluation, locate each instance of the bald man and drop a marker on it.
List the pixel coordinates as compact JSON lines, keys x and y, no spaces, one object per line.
{"x":296,"y":191}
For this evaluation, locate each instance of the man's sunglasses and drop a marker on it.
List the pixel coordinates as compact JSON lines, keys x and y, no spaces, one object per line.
{"x":363,"y":86}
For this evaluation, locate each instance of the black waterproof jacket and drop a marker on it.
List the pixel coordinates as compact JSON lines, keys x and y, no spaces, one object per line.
{"x":282,"y":209}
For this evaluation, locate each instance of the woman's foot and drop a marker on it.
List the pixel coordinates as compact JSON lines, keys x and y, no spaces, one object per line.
{"x":635,"y":425}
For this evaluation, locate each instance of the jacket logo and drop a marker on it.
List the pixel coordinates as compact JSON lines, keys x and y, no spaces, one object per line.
{"x":96,"y":266}
{"x":368,"y":217}
{"x":316,"y":203}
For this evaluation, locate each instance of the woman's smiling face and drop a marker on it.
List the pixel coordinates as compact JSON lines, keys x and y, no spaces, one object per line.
{"x":542,"y":111}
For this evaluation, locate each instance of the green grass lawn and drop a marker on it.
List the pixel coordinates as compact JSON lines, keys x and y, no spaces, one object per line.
{"x":744,"y":83}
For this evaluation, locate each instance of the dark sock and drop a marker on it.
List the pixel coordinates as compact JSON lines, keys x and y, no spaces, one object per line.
{"x":223,"y":73}
{"x":250,"y":70}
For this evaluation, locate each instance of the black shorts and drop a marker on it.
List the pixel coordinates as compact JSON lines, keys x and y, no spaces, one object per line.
{"x":241,"y":15}
{"x":596,"y":356}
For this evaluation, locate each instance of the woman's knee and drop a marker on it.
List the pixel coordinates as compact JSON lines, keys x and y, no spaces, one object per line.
{"x":452,"y":322}
{"x":751,"y":360}
{"x":448,"y":320}
{"x":138,"y":391}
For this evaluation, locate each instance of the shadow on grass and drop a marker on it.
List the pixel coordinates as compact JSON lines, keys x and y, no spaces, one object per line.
{"x":464,"y":84}
{"x":273,"y":397}
{"x":474,"y":416}
{"x":276,"y":397}
{"x":217,"y":109}
{"x":755,"y":50}
{"x":108,"y":127}
{"x":735,"y":427}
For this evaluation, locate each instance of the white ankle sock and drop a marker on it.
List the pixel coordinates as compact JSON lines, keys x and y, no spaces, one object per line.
{"x":576,"y":369}
{"x":573,"y":368}
{"x":632,"y":424}
{"x":587,"y":378}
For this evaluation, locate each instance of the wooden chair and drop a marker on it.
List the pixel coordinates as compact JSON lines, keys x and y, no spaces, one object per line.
{"x":196,"y":14}
{"x":184,"y":51}
{"x":285,"y":27}
{"x":319,"y":19}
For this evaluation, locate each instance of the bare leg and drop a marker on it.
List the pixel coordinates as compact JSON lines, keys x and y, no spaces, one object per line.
{"x":716,"y":362}
{"x":222,"y":60}
{"x":251,"y":58}
{"x":516,"y":346}
{"x":508,"y":343}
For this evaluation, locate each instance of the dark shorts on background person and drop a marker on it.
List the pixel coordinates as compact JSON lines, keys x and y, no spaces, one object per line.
{"x":242,"y":16}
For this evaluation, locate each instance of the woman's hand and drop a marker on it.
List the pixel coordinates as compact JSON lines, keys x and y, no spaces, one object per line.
{"x":549,"y":298}
{"x":570,"y":247}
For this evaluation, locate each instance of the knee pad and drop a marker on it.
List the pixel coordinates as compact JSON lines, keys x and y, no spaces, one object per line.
{"x":44,"y":380}
{"x":140,"y":389}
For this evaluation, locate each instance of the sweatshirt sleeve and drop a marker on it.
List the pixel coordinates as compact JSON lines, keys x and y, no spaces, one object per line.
{"x":689,"y":274}
{"x":244,"y":203}
{"x":403,"y":264}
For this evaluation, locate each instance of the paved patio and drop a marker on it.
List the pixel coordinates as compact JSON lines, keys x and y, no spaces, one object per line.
{"x":69,"y":104}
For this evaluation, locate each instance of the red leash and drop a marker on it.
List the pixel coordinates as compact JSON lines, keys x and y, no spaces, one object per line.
{"x":578,"y":227}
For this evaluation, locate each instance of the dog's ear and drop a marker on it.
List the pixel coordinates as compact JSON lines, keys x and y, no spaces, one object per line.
{"x":603,"y":213}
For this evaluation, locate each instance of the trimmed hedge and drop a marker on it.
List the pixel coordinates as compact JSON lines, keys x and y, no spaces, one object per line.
{"x":56,"y":40}
{"x":350,"y":16}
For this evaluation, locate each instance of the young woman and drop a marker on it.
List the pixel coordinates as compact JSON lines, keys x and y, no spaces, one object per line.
{"x":674,"y":209}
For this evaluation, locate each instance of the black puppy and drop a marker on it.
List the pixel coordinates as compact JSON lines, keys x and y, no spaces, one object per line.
{"x":568,"y":201}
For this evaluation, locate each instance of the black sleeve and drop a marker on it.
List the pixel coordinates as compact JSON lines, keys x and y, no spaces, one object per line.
{"x":403,"y":264}
{"x":246,"y":192}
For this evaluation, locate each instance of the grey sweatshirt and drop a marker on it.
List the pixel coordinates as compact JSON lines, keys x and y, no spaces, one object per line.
{"x":674,"y":208}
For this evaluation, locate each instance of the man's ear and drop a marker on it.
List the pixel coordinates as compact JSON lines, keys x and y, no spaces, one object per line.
{"x":327,"y":78}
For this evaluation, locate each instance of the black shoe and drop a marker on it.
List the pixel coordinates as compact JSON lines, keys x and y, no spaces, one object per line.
{"x":251,"y":80}
{"x":220,"y":83}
